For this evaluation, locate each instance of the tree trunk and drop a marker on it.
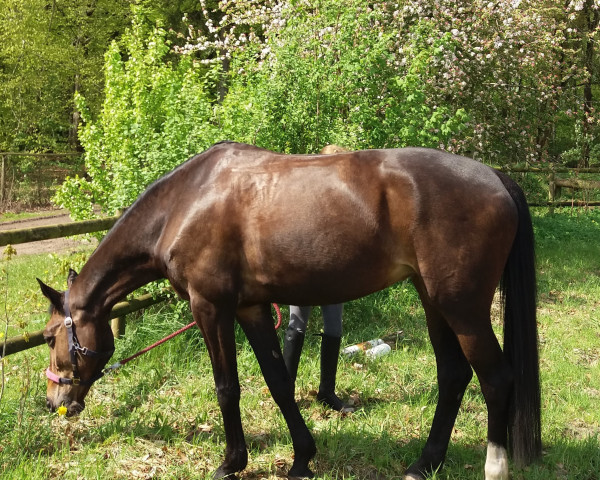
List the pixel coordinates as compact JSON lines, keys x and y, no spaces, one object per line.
{"x":75,"y":116}
{"x":591,"y":21}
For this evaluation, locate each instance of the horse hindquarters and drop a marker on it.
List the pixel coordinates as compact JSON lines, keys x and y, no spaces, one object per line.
{"x":456,"y":280}
{"x":510,"y":379}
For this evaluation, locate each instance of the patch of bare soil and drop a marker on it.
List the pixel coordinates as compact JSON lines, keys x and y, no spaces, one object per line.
{"x":55,"y":245}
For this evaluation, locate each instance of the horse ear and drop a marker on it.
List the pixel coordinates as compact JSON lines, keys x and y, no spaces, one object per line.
{"x":54,"y":296}
{"x":72,"y":276}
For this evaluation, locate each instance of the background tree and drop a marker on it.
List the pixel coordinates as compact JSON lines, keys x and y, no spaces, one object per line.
{"x":503,"y":82}
{"x":48,"y":51}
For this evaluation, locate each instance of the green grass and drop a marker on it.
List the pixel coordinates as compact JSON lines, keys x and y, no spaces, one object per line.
{"x":158,"y":416}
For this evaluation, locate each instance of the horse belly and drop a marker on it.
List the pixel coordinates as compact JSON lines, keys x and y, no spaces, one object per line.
{"x":317,"y":256}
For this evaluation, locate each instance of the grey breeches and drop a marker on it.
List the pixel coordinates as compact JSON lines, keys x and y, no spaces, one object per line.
{"x":332,"y":318}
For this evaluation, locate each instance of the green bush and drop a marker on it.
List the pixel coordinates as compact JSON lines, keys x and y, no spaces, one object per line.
{"x":327,"y":76}
{"x":156,"y":114}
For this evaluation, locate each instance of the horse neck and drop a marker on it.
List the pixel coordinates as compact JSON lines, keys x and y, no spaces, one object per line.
{"x":122,"y":263}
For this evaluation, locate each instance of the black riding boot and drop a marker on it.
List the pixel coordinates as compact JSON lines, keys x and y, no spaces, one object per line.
{"x":292,"y":348}
{"x":330,"y":352}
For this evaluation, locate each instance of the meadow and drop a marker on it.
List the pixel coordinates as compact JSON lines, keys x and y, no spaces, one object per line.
{"x":158,"y":417}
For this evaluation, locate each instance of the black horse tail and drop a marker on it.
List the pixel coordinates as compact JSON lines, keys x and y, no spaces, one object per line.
{"x":519,"y":291}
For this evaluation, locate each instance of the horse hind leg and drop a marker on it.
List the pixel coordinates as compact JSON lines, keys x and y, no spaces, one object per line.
{"x":480,"y":347}
{"x":454,"y":374}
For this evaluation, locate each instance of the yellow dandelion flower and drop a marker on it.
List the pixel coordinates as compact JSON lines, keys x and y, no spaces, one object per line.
{"x":62,"y":410}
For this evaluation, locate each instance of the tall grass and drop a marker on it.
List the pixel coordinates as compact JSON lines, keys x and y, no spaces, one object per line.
{"x":158,"y":416}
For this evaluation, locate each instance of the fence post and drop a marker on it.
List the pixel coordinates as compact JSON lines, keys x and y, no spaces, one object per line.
{"x":2,"y":175}
{"x":551,"y":192}
{"x":117,"y":325}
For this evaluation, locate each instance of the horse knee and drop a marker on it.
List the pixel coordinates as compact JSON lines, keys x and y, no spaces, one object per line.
{"x":228,"y":396}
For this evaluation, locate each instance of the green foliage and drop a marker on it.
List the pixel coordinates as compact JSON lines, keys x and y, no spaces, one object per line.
{"x":329,"y":76}
{"x":155,"y":115}
{"x":501,"y":81}
{"x":320,"y":79}
{"x":48,"y":51}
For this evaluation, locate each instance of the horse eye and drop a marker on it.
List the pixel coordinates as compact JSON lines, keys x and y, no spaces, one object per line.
{"x":49,"y":339}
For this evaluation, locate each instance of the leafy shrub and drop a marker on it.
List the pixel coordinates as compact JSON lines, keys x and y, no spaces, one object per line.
{"x":156,"y":114}
{"x":328,"y":75}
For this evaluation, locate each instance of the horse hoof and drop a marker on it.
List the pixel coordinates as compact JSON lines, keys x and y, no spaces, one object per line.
{"x":297,"y":474}
{"x":222,"y":475}
{"x":412,"y":476}
{"x":229,"y":476}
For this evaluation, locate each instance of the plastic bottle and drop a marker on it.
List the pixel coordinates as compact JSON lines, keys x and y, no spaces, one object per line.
{"x":361,"y":347}
{"x":378,"y":351}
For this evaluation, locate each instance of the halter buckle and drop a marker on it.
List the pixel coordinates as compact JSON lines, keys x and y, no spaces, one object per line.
{"x":76,"y":380}
{"x":68,"y":322}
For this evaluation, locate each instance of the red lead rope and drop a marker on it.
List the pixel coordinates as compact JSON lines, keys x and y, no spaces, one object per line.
{"x":114,"y":366}
{"x":276,"y":307}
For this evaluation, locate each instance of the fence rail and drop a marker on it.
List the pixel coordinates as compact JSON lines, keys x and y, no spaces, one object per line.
{"x":34,"y":339}
{"x":556,"y":184}
{"x":117,"y":316}
{"x":519,"y":169}
{"x":26,"y":235}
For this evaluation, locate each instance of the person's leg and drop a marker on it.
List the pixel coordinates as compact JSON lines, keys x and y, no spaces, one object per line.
{"x":330,"y":352}
{"x":294,"y":338}
{"x":332,"y":319}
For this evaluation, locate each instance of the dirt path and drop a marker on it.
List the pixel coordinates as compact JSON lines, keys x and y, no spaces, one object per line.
{"x":56,"y":245}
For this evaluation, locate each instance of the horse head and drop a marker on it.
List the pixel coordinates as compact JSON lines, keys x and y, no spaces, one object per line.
{"x":80,"y":347}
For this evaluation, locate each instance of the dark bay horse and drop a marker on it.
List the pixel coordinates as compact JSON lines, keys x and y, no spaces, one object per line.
{"x":238,"y":227}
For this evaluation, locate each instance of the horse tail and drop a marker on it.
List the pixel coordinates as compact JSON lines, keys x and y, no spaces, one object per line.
{"x":518,"y":292}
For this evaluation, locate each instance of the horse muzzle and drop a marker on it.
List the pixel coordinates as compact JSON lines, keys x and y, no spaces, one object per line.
{"x":73,"y":407}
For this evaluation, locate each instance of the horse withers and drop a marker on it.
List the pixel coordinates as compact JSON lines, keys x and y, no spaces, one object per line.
{"x":238,"y":227}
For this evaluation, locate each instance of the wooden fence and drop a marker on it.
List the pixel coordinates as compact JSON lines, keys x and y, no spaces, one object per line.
{"x":29,"y":184}
{"x":117,"y":316}
{"x":556,"y":184}
{"x":34,"y":339}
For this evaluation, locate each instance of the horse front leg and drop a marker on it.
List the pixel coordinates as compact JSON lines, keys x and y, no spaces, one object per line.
{"x":257,"y":324}
{"x":217,"y":327}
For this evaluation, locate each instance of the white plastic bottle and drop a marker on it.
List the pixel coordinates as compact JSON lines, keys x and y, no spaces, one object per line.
{"x":361,"y":347}
{"x":378,"y":351}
